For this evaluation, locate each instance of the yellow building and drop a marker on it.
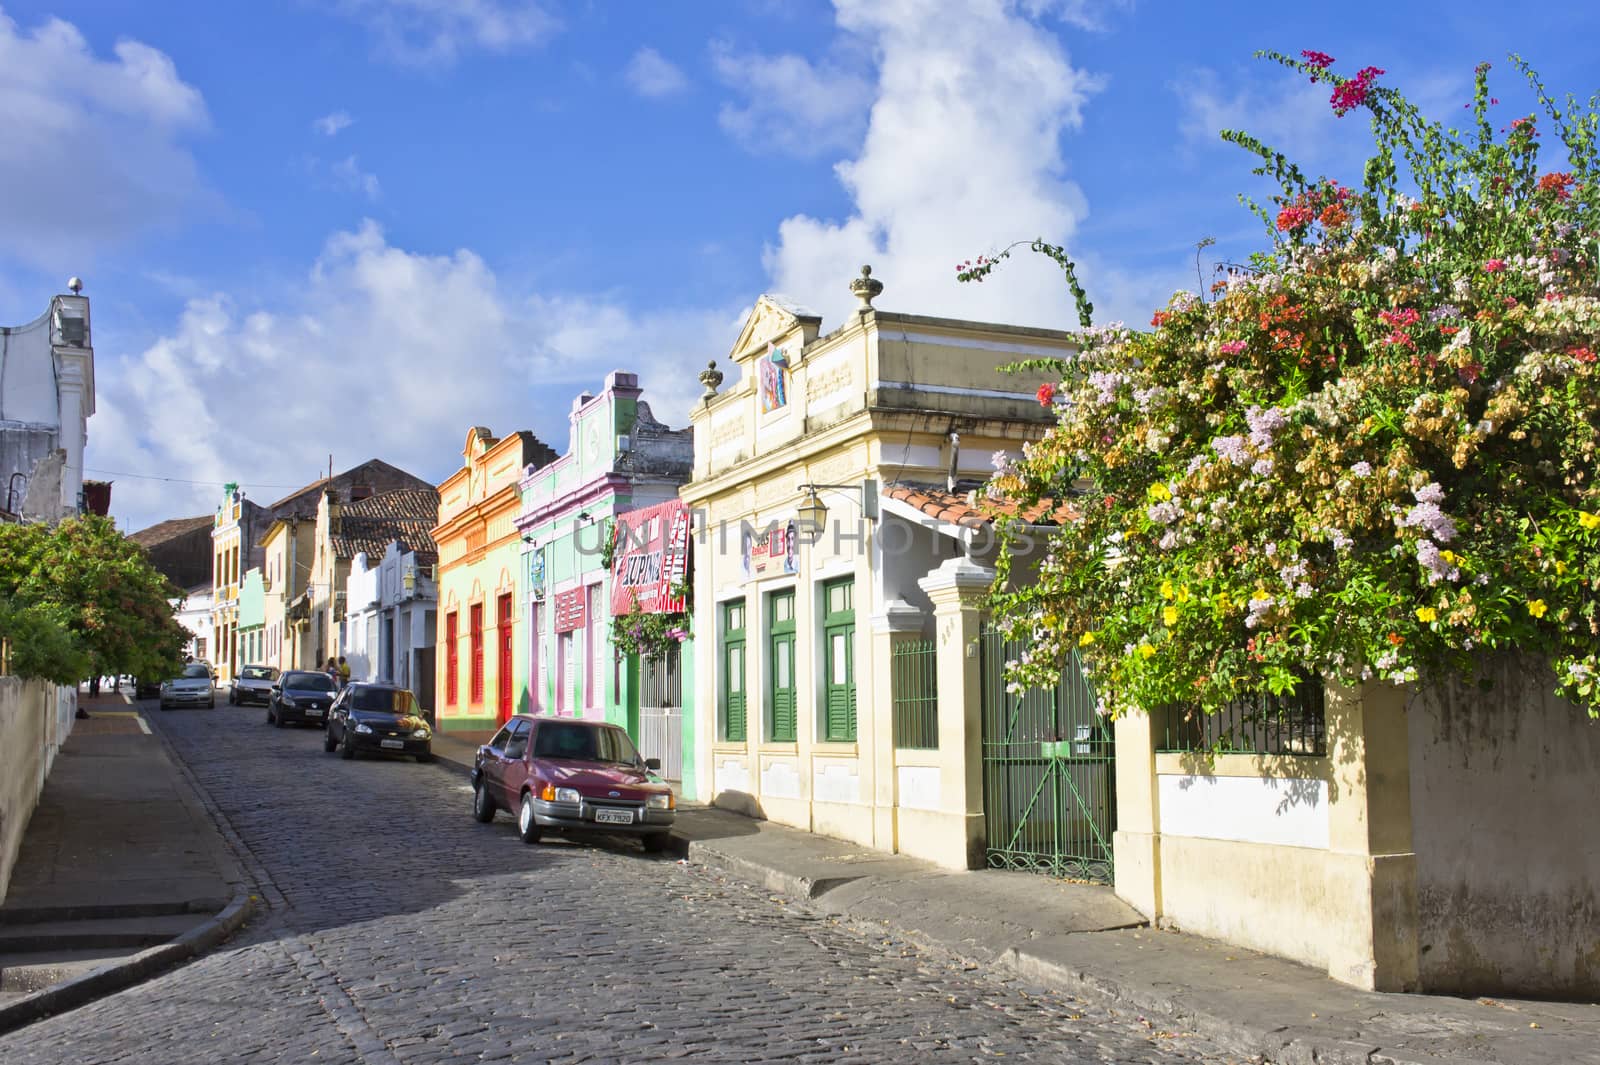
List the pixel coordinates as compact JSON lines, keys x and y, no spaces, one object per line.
{"x":286,"y":565}
{"x":839,"y":564}
{"x":231,"y":539}
{"x":480,"y":554}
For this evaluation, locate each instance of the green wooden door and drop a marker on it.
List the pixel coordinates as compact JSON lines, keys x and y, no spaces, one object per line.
{"x":733,"y":701}
{"x":839,"y":661}
{"x":781,"y":645}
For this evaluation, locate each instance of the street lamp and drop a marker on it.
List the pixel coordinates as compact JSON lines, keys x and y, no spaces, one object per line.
{"x":813,"y":512}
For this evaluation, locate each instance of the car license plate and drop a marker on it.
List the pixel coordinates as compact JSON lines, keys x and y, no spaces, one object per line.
{"x":314,"y":711}
{"x":614,"y":817}
{"x":395,"y":744}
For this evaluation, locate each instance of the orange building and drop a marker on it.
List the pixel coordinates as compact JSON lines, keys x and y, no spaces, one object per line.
{"x":479,"y":654}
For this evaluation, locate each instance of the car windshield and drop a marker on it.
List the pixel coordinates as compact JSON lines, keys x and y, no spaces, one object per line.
{"x":308,"y":682}
{"x":581,"y":743}
{"x":258,"y":673}
{"x":196,"y":671}
{"x":385,"y":701}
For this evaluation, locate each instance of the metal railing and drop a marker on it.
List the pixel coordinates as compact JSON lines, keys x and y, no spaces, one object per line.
{"x":915,"y":676}
{"x":1261,"y":723}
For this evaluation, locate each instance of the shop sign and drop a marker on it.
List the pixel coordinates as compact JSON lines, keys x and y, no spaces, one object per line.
{"x":651,"y":559}
{"x":571,"y":609}
{"x":772,"y":375}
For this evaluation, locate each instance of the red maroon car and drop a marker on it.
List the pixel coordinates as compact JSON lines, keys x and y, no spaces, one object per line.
{"x":561,"y":774}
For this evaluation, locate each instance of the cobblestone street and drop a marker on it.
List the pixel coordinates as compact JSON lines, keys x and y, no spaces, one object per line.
{"x":398,"y":930}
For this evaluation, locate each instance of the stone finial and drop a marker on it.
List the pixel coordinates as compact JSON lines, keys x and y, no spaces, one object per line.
{"x":711,"y":377}
{"x":74,"y":285}
{"x":865,"y":288}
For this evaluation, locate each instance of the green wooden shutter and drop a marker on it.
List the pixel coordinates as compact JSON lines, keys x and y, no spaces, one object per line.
{"x":733,"y":673}
{"x":839,"y":661}
{"x":781,"y":644}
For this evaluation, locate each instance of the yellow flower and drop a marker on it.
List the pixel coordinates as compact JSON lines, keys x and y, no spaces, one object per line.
{"x":1260,"y":593}
{"x":1159,"y":492}
{"x":1536,"y":607}
{"x":1145,"y":650}
{"x":1086,"y":639}
{"x":1166,"y":590}
{"x":1169,"y":615}
{"x":1427,"y":613}
{"x":1183,"y":593}
{"x":1561,"y":567}
{"x":1588,"y":520}
{"x":1449,"y":556}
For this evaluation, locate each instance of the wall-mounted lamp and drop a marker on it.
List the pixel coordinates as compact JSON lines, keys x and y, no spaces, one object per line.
{"x":814,"y":512}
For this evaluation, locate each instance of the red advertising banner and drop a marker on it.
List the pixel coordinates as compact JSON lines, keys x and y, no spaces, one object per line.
{"x":651,"y":559}
{"x":571,"y":609}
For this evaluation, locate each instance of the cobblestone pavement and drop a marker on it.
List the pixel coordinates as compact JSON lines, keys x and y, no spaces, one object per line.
{"x":399,"y":930}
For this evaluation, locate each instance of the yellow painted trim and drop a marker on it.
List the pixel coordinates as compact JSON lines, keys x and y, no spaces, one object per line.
{"x":784,"y":750}
{"x":730,"y":749}
{"x":917,"y":756}
{"x":1268,"y":766}
{"x":835,"y":750}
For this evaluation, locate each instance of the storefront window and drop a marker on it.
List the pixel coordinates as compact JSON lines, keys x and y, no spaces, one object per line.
{"x":733,"y":701}
{"x":839,"y":666}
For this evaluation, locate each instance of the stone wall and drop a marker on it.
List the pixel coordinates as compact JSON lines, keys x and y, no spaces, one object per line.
{"x":35,"y":719}
{"x":1503,"y":792}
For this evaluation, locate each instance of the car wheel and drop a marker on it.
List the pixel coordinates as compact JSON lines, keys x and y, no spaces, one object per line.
{"x":425,"y":757}
{"x":482,"y":805}
{"x":347,"y":749}
{"x":654,"y":843}
{"x":277,"y":719}
{"x":327,"y":741}
{"x":212,"y":705}
{"x":527,"y":827}
{"x":164,"y":706}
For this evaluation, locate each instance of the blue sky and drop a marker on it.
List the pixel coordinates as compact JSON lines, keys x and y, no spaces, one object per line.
{"x":359,"y":226}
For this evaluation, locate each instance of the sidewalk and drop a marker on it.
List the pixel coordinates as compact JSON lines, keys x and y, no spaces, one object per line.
{"x":1083,"y":940}
{"x":121,"y":871}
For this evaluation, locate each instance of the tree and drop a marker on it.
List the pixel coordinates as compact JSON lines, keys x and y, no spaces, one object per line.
{"x":100,"y":588}
{"x":1370,"y":455}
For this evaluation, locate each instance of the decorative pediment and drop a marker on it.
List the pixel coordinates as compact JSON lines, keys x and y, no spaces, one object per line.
{"x":773,"y":318}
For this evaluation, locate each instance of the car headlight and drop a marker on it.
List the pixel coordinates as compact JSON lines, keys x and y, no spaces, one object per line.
{"x":421,"y":733}
{"x":363,"y":728}
{"x":568,"y":795}
{"x":661,"y":802}
{"x":287,"y":701}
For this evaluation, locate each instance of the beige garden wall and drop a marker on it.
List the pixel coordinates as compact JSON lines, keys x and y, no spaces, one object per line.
{"x":1504,"y":794}
{"x":35,"y":719}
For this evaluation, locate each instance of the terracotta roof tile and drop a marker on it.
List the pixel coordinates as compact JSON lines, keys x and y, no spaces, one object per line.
{"x":369,"y":525}
{"x":167,"y":530}
{"x":975,"y":510}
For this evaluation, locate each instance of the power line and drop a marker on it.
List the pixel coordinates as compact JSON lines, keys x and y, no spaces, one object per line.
{"x":184,"y":480}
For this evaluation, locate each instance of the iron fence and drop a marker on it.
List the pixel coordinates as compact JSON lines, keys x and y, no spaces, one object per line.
{"x":915,"y":675}
{"x":1262,"y":723}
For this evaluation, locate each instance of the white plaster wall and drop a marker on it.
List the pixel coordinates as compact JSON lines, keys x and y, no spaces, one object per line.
{"x":780,"y":780}
{"x":1504,"y":785}
{"x":836,"y":782}
{"x":1284,"y":812}
{"x":732,"y":775}
{"x":919,"y":787}
{"x":35,"y":719}
{"x":28,"y":376}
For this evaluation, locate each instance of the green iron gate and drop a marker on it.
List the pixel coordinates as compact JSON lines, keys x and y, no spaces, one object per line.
{"x":1049,"y":789}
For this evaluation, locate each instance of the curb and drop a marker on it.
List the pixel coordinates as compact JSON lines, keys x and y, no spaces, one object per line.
{"x":129,"y":971}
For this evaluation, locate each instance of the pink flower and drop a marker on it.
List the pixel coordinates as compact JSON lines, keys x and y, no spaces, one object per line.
{"x":1320,"y":60}
{"x":1232,"y":347}
{"x":1494,"y":266}
{"x":1047,"y":394}
{"x":1352,"y":94}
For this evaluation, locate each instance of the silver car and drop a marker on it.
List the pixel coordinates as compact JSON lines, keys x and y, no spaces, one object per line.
{"x":252,"y":684}
{"x":193,"y":688}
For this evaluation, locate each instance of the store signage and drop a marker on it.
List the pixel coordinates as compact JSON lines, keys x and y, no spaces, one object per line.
{"x":651,"y":559}
{"x":771,"y":552}
{"x":571,"y":610}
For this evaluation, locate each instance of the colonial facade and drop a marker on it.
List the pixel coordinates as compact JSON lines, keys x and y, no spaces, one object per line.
{"x":819,"y":558}
{"x":287,"y":548}
{"x":480,"y":559}
{"x":46,"y":399}
{"x":619,"y":458}
{"x":234,"y":531}
{"x":391,"y":598}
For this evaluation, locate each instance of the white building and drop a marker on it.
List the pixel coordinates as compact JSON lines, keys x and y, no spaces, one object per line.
{"x":194,"y":614}
{"x":390,"y":616}
{"x":46,"y":398}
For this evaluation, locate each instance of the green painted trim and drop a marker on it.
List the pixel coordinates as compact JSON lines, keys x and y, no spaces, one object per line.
{"x":468,"y":724}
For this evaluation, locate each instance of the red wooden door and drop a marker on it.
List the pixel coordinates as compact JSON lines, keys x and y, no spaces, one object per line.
{"x":505,"y":703}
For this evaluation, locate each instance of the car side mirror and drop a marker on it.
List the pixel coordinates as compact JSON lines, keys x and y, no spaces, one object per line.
{"x":652,"y":763}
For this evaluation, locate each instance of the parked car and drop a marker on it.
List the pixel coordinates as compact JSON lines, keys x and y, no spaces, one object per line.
{"x":144,"y":688}
{"x":560,"y":775}
{"x":378,"y":717}
{"x":252,"y":684}
{"x":300,"y":696}
{"x":193,"y":687}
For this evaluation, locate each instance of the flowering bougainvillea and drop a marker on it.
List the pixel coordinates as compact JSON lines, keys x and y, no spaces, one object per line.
{"x":1371,"y":455}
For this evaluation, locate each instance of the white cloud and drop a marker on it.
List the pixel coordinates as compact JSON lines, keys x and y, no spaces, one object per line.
{"x":1284,"y":111}
{"x":962,"y":154}
{"x":330,"y":125}
{"x":439,"y":32}
{"x":791,"y":104}
{"x":379,"y":351}
{"x":652,"y":74}
{"x":348,"y":173}
{"x":92,"y":149}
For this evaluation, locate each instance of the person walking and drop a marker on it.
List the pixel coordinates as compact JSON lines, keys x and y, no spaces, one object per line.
{"x":344,"y":672}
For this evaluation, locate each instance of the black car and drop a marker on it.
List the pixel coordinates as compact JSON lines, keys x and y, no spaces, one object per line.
{"x":300,"y":695}
{"x":378,"y":717}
